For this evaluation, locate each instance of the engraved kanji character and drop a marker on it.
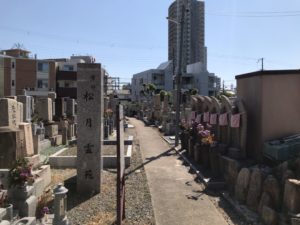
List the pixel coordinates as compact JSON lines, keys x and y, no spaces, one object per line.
{"x":88,"y":96}
{"x":88,"y":148}
{"x":89,"y":174}
{"x":88,"y":122}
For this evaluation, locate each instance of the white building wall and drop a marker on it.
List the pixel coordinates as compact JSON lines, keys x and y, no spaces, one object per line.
{"x":200,"y":77}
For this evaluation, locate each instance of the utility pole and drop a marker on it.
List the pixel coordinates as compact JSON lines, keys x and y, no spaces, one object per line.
{"x":223,"y":86}
{"x":179,"y":75}
{"x":262,"y":63}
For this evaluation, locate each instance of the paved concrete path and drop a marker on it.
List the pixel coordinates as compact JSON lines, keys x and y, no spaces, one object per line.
{"x":176,"y":198}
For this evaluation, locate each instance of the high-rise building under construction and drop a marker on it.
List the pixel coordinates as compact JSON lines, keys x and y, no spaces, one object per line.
{"x":193,"y":49}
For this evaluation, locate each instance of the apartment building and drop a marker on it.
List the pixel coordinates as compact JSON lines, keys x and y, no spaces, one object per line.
{"x":19,"y":73}
{"x":194,"y":49}
{"x":161,"y":77}
{"x":196,"y":77}
{"x":194,"y":54}
{"x":66,"y":75}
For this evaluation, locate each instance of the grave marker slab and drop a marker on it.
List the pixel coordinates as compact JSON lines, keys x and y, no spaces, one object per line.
{"x":28,"y":139}
{"x":60,"y":107}
{"x":20,"y":118}
{"x":70,"y":107}
{"x":11,"y":146}
{"x":8,"y":113}
{"x":89,"y":97}
{"x":27,"y":106}
{"x":44,"y":109}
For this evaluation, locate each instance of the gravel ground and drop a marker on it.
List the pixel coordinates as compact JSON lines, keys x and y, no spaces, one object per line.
{"x":101,"y":208}
{"x":106,"y":150}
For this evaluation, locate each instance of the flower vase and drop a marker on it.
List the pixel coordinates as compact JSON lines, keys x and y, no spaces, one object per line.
{"x":9,"y":212}
{"x":205,"y":155}
{"x":214,"y":158}
{"x":197,"y":153}
{"x":21,"y":192}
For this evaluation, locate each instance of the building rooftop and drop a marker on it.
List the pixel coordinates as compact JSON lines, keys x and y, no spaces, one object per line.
{"x":164,"y":65}
{"x":268,"y":72}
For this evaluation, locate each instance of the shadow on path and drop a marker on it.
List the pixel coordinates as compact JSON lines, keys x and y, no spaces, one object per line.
{"x":151,"y":159}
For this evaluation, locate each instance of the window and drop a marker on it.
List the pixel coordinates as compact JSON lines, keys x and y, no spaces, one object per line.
{"x":12,"y":83}
{"x":67,"y":84}
{"x":13,"y":65}
{"x":43,"y":67}
{"x":42,"y":83}
{"x":68,"y":68}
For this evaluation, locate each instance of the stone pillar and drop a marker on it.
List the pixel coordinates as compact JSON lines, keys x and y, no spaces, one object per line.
{"x":60,"y":108}
{"x":60,"y":205}
{"x":8,"y":112}
{"x":20,"y":118}
{"x":89,"y":104}
{"x":27,"y":106}
{"x":28,"y":138}
{"x":70,"y":107}
{"x":44,"y":109}
{"x":291,"y":199}
{"x":12,"y":146}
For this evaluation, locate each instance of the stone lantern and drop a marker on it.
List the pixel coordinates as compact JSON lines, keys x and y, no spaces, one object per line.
{"x":60,"y":205}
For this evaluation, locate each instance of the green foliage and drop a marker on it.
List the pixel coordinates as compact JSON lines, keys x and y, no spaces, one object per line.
{"x":162,"y":95}
{"x":225,"y":93}
{"x":193,"y":91}
{"x":149,"y":89}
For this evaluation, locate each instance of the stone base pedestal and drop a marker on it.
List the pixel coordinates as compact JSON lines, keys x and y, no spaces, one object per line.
{"x":214,"y":159}
{"x":197,"y":153}
{"x":230,"y":168}
{"x":205,"y":156}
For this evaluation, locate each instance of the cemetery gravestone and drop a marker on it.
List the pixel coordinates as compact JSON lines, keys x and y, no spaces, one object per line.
{"x":225,"y":113}
{"x":242,"y":184}
{"x":11,"y":146}
{"x":89,"y":97}
{"x":70,"y":107}
{"x":8,"y":112}
{"x":44,"y":109}
{"x":27,"y":106}
{"x":255,"y":188}
{"x":29,"y":148}
{"x":60,"y":107}
{"x":20,"y":118}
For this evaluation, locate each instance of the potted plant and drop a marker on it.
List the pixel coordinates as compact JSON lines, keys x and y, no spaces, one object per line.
{"x":19,"y":177}
{"x":207,"y":140}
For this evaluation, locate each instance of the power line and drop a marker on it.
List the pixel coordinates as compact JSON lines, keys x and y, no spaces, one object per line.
{"x":257,"y":14}
{"x":81,"y":40}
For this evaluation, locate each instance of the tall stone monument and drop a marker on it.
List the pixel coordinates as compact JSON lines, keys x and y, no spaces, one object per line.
{"x":27,"y":106}
{"x":8,"y":113}
{"x":44,"y":108}
{"x":89,"y":97}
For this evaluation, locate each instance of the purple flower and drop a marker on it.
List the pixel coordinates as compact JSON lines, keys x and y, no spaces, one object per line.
{"x":23,"y":175}
{"x":45,"y":210}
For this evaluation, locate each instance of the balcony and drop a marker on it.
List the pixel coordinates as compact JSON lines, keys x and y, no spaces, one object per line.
{"x":66,"y":75}
{"x":66,"y":92}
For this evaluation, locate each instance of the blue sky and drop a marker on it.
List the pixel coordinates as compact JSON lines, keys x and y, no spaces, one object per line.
{"x":129,"y":36}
